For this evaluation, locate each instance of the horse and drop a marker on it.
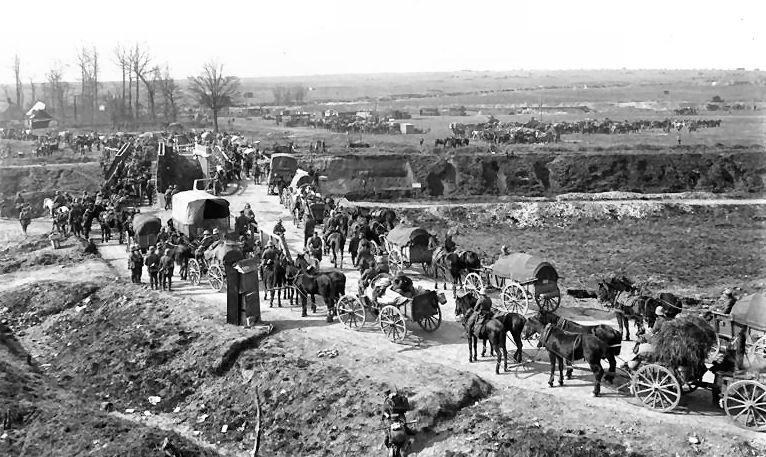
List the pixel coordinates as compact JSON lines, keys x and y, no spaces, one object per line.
{"x":512,"y":322}
{"x":492,"y":330}
{"x":603,"y":332}
{"x":562,"y":345}
{"x":611,"y":291}
{"x":274,"y":273}
{"x":455,"y":263}
{"x":336,"y":241}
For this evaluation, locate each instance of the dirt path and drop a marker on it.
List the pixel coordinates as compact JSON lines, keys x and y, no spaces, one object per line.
{"x":446,"y":346}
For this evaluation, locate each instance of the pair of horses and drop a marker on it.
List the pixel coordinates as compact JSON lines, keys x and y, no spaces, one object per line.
{"x":564,"y":340}
{"x":451,"y":265}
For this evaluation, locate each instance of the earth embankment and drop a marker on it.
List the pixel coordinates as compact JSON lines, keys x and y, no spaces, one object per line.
{"x":458,"y":174}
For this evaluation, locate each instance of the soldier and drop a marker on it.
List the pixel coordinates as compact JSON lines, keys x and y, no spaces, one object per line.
{"x":135,"y":265}
{"x":166,"y":270}
{"x":249,"y":212}
{"x":314,"y":246}
{"x":168,"y":197}
{"x":150,"y":192}
{"x":482,"y":310}
{"x":729,"y":299}
{"x":207,"y":240}
{"x":18,"y":203}
{"x":152,"y":262}
{"x":353,"y":246}
{"x":308,"y":228}
{"x":279,"y":229}
{"x":25,"y":217}
{"x":241,"y":223}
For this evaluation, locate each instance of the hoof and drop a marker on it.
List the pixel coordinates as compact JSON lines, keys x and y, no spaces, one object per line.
{"x":561,"y":383}
{"x":596,"y":394}
{"x":304,"y":315}
{"x":627,"y":338}
{"x":550,"y":384}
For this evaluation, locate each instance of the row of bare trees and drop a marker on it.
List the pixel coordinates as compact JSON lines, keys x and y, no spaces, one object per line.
{"x":141,"y":75}
{"x":288,"y":95}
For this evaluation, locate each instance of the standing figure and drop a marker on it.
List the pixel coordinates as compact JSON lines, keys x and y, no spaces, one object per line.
{"x":25,"y":217}
{"x":166,"y":270}
{"x":152,"y":262}
{"x":135,"y":265}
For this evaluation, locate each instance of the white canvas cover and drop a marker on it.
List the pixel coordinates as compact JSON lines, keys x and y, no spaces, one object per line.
{"x":195,"y":206}
{"x":300,"y":177}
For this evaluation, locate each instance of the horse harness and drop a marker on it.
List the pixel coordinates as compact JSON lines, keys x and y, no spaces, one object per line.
{"x":547,"y":333}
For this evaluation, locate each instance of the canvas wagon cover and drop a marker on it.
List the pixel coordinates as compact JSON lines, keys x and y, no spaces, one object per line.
{"x":524,"y":268}
{"x":283,"y":162}
{"x":195,"y":206}
{"x":751,"y":311}
{"x":146,"y":224}
{"x":301,"y":177}
{"x":402,"y":235}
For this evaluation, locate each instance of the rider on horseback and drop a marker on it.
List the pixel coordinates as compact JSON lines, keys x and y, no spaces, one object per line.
{"x":205,"y":242}
{"x":482,"y":311}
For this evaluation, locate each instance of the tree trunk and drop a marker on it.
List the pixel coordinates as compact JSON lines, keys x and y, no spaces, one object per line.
{"x":138,"y":86}
{"x":215,"y":120}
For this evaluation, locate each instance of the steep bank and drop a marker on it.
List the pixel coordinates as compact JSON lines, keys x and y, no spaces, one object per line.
{"x":545,"y":173}
{"x":38,"y":182}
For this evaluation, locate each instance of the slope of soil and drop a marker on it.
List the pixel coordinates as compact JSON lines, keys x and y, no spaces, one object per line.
{"x":37,"y":251}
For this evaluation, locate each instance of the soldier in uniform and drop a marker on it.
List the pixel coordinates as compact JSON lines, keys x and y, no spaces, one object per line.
{"x":729,"y":299}
{"x":241,"y":223}
{"x":207,"y":240}
{"x":482,"y":311}
{"x":314,"y":245}
{"x":18,"y":202}
{"x":309,"y":224}
{"x":135,"y":265}
{"x":353,"y":246}
{"x":152,"y":262}
{"x":25,"y":217}
{"x":249,"y":213}
{"x":166,"y":270}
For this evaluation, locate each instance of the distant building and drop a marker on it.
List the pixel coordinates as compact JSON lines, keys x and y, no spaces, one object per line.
{"x":406,"y":128}
{"x":37,"y":117}
{"x":429,"y":111}
{"x":457,"y":111}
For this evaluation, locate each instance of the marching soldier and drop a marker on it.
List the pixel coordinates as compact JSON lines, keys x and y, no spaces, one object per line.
{"x":152,"y":262}
{"x":166,"y":270}
{"x":136,"y":265}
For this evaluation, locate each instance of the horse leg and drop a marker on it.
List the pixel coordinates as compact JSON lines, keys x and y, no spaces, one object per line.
{"x":505,"y":353}
{"x":484,"y":348}
{"x":313,"y":304}
{"x":609,"y":377}
{"x":598,"y":371}
{"x":570,"y":369}
{"x":561,"y":370}
{"x":499,"y":357}
{"x":519,"y":353}
{"x":279,"y":295}
{"x":470,"y":353}
{"x":619,"y":324}
{"x":552,"y":359}
{"x":627,"y":328}
{"x":475,"y":352}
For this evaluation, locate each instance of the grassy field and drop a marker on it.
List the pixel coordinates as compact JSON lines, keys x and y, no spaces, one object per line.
{"x":697,"y":252}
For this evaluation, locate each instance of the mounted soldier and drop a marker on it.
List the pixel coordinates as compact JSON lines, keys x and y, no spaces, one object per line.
{"x":482,"y":311}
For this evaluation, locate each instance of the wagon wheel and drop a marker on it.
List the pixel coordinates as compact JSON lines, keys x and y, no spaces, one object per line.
{"x":394,"y":261}
{"x":374,"y":248}
{"x":392,"y":323}
{"x":657,"y":388}
{"x":431,"y":323}
{"x":351,"y":313}
{"x":515,"y":299}
{"x":548,"y":303}
{"x":472,"y":282}
{"x":745,"y":403}
{"x":758,"y":348}
{"x":194,"y":273}
{"x":714,"y":350}
{"x":216,"y":277}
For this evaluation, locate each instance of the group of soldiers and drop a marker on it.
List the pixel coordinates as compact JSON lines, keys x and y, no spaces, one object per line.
{"x":159,"y":267}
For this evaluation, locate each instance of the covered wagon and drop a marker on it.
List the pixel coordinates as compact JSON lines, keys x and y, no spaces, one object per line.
{"x":407,"y":246}
{"x":146,"y":228}
{"x":195,"y":211}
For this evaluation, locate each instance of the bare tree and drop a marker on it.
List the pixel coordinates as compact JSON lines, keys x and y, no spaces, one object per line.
{"x":279,"y":95}
{"x":214,"y":90}
{"x":94,"y":81}
{"x":139,"y":60}
{"x":19,"y":86}
{"x":299,"y":94}
{"x":58,"y":89}
{"x":34,"y":90}
{"x":170,"y":94}
{"x":123,"y":60}
{"x":151,"y":81}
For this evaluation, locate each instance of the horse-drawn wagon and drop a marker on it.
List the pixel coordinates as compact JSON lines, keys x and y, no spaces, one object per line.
{"x":281,"y":166}
{"x":407,"y":246}
{"x":521,"y":279}
{"x":195,"y":211}
{"x":146,"y":228}
{"x":391,"y":309}
{"x":213,"y":265}
{"x":749,"y":316}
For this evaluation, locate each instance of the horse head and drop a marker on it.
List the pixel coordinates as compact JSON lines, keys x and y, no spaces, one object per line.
{"x":464,"y":305}
{"x":533,"y":325}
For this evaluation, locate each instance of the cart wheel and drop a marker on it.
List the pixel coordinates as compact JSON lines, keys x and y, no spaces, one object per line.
{"x":392,"y":323}
{"x":758,"y":348}
{"x":374,"y":248}
{"x":351,"y":313}
{"x":216,"y":277}
{"x":713,"y":354}
{"x":657,"y":388}
{"x":548,"y":304}
{"x":194,"y":273}
{"x":394,"y":262}
{"x":745,"y":402}
{"x":472,"y":282}
{"x":515,"y":299}
{"x":431,"y":323}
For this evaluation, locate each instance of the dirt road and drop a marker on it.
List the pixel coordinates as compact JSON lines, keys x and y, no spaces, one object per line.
{"x":446,"y":346}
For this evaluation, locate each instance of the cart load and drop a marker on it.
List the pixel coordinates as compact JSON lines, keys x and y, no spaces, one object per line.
{"x":195,"y":211}
{"x":146,"y":228}
{"x":406,"y":246}
{"x":684,"y":343}
{"x":750,"y":311}
{"x":301,"y":178}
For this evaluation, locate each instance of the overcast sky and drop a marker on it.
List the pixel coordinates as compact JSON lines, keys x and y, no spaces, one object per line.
{"x":281,"y":37}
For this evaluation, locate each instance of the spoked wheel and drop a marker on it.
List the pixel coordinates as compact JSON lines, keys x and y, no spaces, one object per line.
{"x":351,"y":313}
{"x":758,"y":348}
{"x":392,"y":323}
{"x":194,"y":273}
{"x":714,"y":350}
{"x":548,"y":303}
{"x":216,"y":278}
{"x":431,"y":323}
{"x":394,"y":261}
{"x":515,"y":298}
{"x":745,"y":403}
{"x":657,"y":388}
{"x":472,"y":282}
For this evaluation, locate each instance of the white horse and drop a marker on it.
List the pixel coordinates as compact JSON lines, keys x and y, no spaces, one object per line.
{"x":49,"y":205}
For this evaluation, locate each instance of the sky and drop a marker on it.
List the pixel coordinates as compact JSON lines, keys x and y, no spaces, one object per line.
{"x":253,"y":38}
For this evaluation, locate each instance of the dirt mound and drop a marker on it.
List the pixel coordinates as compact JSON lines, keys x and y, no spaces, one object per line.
{"x":38,"y":252}
{"x":41,"y":420}
{"x":30,"y":304}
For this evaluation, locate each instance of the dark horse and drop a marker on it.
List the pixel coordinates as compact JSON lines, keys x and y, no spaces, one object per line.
{"x":605,"y":333}
{"x":275,"y":280}
{"x":336,"y":242}
{"x":455,"y":263}
{"x":562,"y":345}
{"x":512,"y":322}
